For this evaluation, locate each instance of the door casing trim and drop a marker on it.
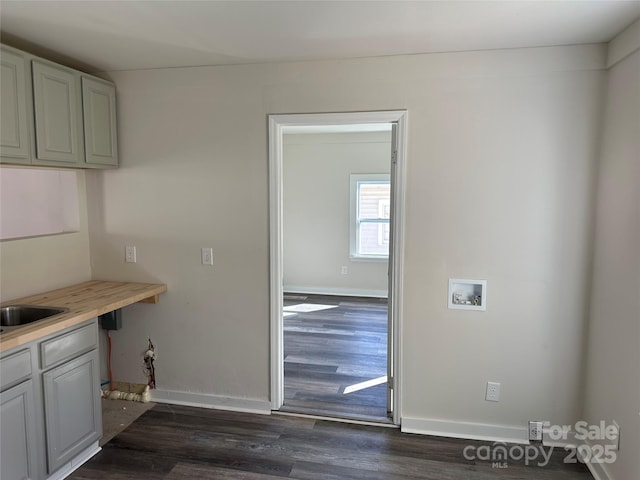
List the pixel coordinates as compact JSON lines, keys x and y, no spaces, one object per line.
{"x":277,"y":123}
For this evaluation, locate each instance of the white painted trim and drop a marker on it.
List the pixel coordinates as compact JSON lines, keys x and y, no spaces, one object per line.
{"x":341,"y":292}
{"x":466,"y":430}
{"x":76,"y":462}
{"x":337,"y":419}
{"x":597,"y":470}
{"x":277,"y":123}
{"x":399,"y":188}
{"x":350,"y":118}
{"x":569,"y":441}
{"x":276,"y":267}
{"x":315,"y":129}
{"x":205,"y":400}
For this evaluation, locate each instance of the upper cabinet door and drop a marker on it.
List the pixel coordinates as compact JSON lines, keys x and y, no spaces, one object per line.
{"x":99,"y":106}
{"x":57,"y":115}
{"x":14,"y":108}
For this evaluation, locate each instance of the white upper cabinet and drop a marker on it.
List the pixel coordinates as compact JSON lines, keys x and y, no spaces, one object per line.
{"x":15,"y":135}
{"x":54,"y":115}
{"x":99,"y":106}
{"x":57,"y":113}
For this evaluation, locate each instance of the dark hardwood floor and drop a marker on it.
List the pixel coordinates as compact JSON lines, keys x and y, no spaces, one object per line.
{"x":176,"y":443}
{"x":326,"y":351}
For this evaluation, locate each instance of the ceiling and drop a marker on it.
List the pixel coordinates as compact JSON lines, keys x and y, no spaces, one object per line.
{"x":124,"y":35}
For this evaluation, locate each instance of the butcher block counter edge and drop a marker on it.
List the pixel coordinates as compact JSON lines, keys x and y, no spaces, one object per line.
{"x":85,"y":301}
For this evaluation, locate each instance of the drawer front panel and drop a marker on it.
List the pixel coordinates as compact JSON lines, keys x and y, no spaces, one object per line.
{"x":68,"y":346}
{"x":15,"y":368}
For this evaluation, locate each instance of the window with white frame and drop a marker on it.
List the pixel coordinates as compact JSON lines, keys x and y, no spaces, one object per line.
{"x":370,"y":216}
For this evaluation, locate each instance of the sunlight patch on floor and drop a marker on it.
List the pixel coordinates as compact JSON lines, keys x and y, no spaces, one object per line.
{"x":367,"y":384}
{"x":308,"y":307}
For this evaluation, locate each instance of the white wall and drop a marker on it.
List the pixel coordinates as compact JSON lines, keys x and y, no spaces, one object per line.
{"x":613,"y":366}
{"x":39,"y":264}
{"x":501,"y":161}
{"x":37,"y":202}
{"x":316,"y":211}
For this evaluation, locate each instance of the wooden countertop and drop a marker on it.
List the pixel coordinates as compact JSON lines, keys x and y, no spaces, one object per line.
{"x":85,"y":301}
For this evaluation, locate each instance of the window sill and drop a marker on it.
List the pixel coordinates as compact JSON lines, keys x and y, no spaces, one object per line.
{"x":368,"y":258}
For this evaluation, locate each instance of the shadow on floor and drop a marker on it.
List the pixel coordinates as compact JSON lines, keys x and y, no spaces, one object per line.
{"x":118,"y":415}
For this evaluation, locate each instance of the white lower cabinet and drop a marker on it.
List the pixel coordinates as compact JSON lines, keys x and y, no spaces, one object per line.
{"x":18,"y":433}
{"x":71,"y":409}
{"x":50,"y":411}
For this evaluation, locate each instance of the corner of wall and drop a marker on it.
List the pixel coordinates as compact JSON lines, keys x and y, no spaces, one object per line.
{"x":624,"y":44}
{"x":611,"y":386}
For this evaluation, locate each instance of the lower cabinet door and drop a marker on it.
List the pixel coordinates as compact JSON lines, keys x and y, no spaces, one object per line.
{"x":18,"y":446}
{"x":73,"y":417}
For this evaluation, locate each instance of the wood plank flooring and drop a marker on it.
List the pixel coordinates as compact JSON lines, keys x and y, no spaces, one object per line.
{"x":328,"y":350}
{"x":172,"y":442}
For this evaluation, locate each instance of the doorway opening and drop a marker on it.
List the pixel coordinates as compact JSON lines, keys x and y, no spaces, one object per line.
{"x":340,"y":338}
{"x":335,"y":356}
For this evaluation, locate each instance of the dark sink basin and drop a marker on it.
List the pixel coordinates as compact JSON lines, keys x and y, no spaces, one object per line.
{"x":15,"y":315}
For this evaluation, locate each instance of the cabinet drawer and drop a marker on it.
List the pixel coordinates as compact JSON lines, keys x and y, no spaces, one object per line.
{"x":15,"y":368}
{"x":68,"y":346}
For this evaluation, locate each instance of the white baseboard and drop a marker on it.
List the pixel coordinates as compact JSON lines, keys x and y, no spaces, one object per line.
{"x":469,"y":431}
{"x":206,"y":400}
{"x":342,"y":292}
{"x":598,"y":472}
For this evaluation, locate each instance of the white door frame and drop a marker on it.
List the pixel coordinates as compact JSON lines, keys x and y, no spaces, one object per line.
{"x":277,"y":123}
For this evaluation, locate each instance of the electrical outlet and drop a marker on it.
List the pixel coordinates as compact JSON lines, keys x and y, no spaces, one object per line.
{"x":207,"y":256}
{"x":344,"y":270}
{"x":130,"y":254}
{"x":493,"y":392}
{"x":535,"y":431}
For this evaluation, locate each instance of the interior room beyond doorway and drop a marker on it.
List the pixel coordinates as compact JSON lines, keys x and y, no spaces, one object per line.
{"x":335,"y":358}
